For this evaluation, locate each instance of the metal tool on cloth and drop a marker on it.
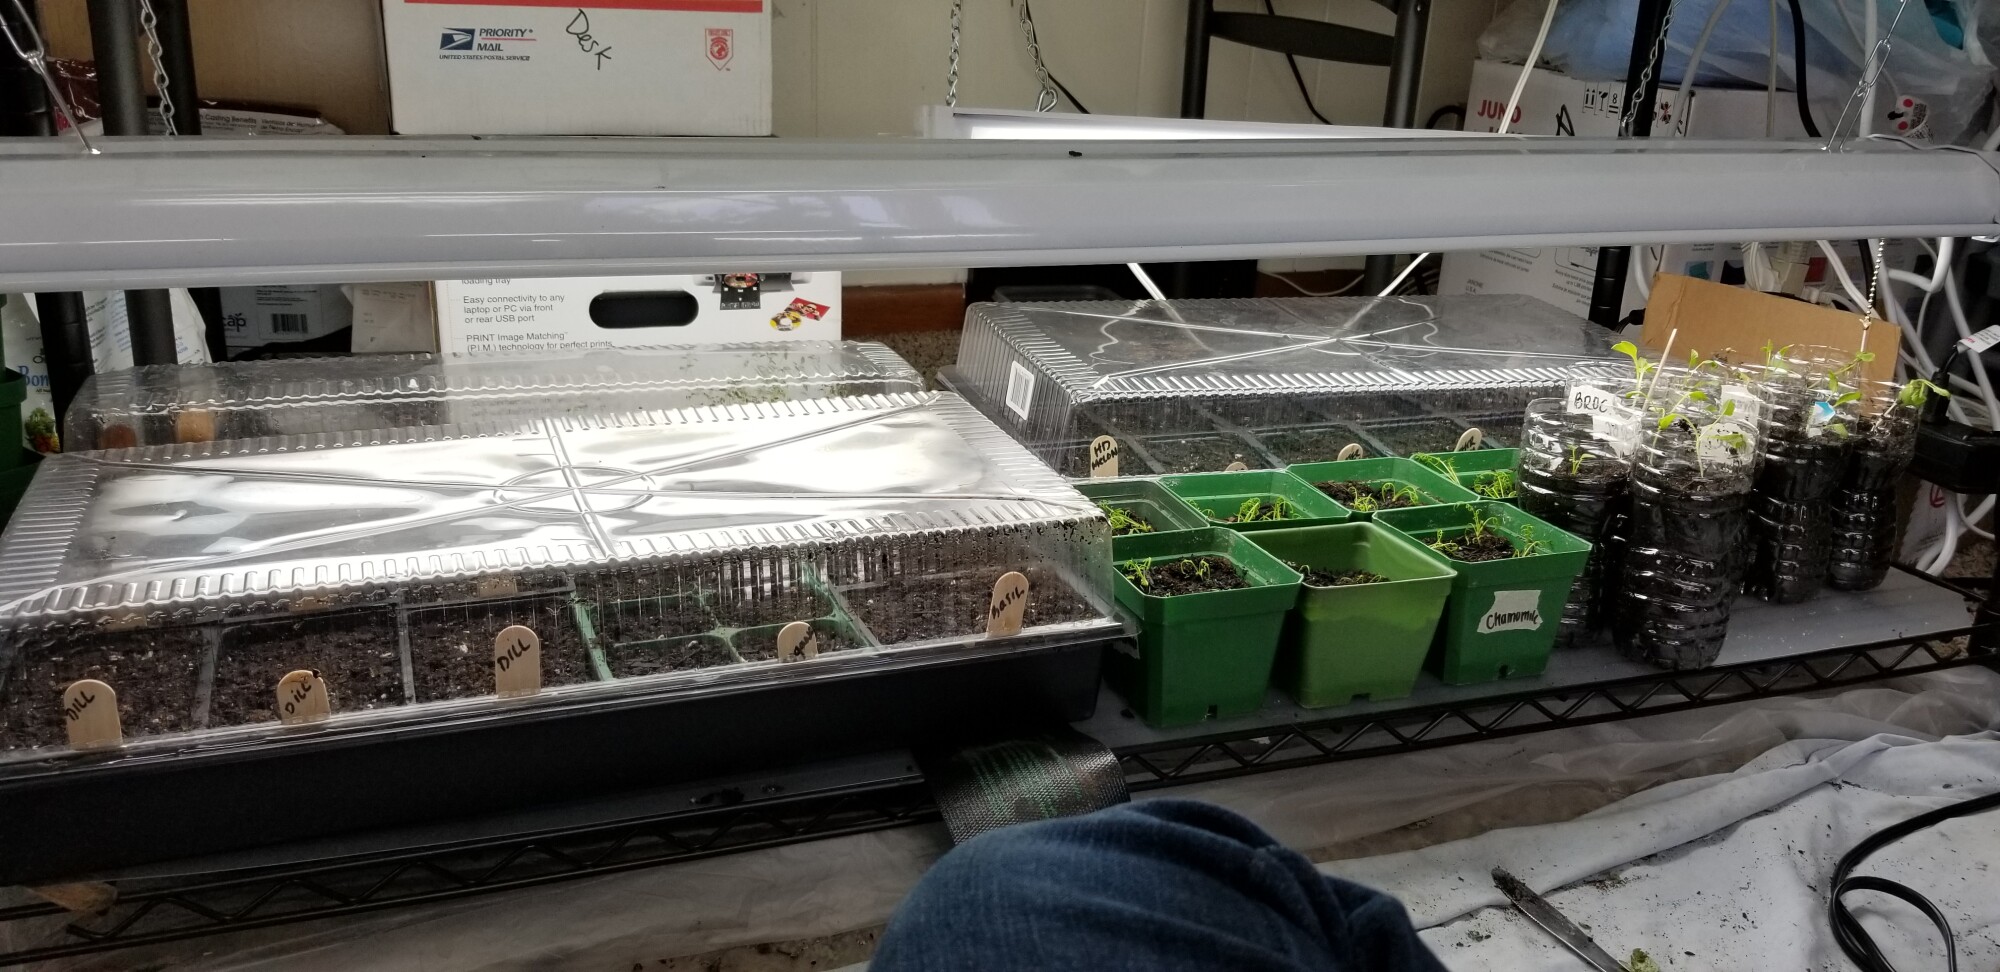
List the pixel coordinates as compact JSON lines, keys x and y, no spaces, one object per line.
{"x":1552,"y":921}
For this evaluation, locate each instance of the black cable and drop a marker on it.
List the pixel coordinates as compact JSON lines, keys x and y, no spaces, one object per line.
{"x":1799,"y":69}
{"x":1065,"y":93}
{"x":1847,"y":931}
{"x":1443,"y":110}
{"x":1298,"y":78}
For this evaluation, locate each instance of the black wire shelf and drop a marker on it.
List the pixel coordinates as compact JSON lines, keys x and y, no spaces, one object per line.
{"x":1592,"y":687}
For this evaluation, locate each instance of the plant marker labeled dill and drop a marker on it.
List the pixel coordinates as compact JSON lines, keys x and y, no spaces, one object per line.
{"x":797,"y":642}
{"x":90,"y":715}
{"x":302,"y":698}
{"x":1352,"y":450}
{"x":1237,"y":466}
{"x":517,"y":662}
{"x":1103,"y":457}
{"x":1471,"y":439}
{"x":1008,"y":605}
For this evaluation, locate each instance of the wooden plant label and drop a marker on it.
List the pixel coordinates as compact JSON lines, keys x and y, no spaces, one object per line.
{"x":1237,"y":466}
{"x":1471,"y":439}
{"x":302,"y":698}
{"x":82,"y":897}
{"x":1103,"y":457}
{"x":1352,"y":450}
{"x":195,"y":425}
{"x":90,"y":712}
{"x":797,"y":642}
{"x":1009,"y":605}
{"x":517,"y":662}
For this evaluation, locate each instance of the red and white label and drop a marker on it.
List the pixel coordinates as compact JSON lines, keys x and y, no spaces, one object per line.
{"x":721,"y":46}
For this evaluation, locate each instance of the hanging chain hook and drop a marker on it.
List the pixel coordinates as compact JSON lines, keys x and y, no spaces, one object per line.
{"x":34,"y":54}
{"x":1878,"y":58}
{"x":951,"y":75}
{"x":150,"y":23}
{"x":1632,"y":107}
{"x":1045,"y":99}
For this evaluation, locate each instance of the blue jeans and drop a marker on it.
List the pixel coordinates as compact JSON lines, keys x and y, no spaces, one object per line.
{"x":1160,"y":886}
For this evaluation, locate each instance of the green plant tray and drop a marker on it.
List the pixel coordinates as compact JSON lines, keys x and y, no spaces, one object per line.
{"x":1223,"y":492}
{"x":1364,"y":641}
{"x":1147,"y":499}
{"x":1207,"y":655}
{"x":1504,"y":614}
{"x":1435,"y":488}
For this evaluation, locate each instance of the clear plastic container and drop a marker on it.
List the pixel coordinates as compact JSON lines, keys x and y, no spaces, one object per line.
{"x":656,"y":555}
{"x":1574,"y":474}
{"x":1402,"y":374}
{"x":1684,"y":559}
{"x":1862,"y":514}
{"x":1807,"y":397}
{"x":164,"y":404}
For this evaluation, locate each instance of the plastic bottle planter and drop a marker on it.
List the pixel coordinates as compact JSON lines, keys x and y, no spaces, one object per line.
{"x":1488,"y":473}
{"x":1225,"y":499}
{"x":1208,"y":654}
{"x":1503,"y":614}
{"x":1685,"y":555}
{"x":1862,"y":513}
{"x":1807,"y":421}
{"x":1414,"y":485}
{"x":1146,"y":508}
{"x":13,"y":391}
{"x":1572,"y":475}
{"x":1358,"y":640}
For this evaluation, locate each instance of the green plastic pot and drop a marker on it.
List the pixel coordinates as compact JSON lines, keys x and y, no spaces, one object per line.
{"x":1223,"y":492}
{"x":1366,"y":640}
{"x":13,"y":391}
{"x":1206,"y":655}
{"x":1144,"y":498}
{"x":1503,"y":614}
{"x":1468,"y":466}
{"x":15,"y":478}
{"x":1436,"y":488}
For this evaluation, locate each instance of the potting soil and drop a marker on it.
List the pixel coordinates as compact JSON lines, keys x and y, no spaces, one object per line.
{"x":357,"y":654}
{"x":451,"y":648}
{"x":1475,"y":549}
{"x":1789,"y":514}
{"x":761,"y":644}
{"x":1682,"y":567}
{"x":1347,"y":491}
{"x":943,"y":607}
{"x":1206,"y":453}
{"x":1191,"y":575}
{"x":155,"y":673}
{"x":1861,"y":515}
{"x":1314,"y":577}
{"x":672,"y":655}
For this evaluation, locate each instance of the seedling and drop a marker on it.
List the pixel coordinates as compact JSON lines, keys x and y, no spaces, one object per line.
{"x":1364,"y":504}
{"x":1442,"y":465}
{"x":1123,"y":522}
{"x":1496,"y":485}
{"x":1254,"y":510}
{"x":1576,"y":456}
{"x":1391,"y":492}
{"x":1917,"y":391}
{"x":1139,"y":572}
{"x":1526,"y":545}
{"x":1640,"y":366}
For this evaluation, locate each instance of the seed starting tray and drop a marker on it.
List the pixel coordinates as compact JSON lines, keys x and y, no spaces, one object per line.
{"x":655,"y":554}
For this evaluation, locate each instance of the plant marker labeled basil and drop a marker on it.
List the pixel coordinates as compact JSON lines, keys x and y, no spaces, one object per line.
{"x":1237,"y":466}
{"x":517,"y":662}
{"x":1103,"y":457}
{"x":90,"y":714}
{"x":1470,"y":440}
{"x":1008,"y":606}
{"x":302,"y":698}
{"x":1352,"y":450}
{"x":797,"y":642}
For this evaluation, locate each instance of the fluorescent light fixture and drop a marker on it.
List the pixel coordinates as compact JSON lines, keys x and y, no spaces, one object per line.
{"x":939,"y":121}
{"x":159,"y":212}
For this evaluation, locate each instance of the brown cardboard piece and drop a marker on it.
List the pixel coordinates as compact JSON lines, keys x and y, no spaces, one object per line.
{"x":1712,"y":318}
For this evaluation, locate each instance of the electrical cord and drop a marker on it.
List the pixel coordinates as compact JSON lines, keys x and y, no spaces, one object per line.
{"x":1799,"y":69}
{"x":1854,"y":940}
{"x":1527,"y":68}
{"x":1443,"y":110}
{"x":1693,"y":69}
{"x":1080,"y":109}
{"x":1297,"y":77}
{"x":1289,"y":282}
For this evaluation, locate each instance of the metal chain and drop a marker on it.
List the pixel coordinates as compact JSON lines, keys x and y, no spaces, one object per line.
{"x":951,"y":76}
{"x":1629,"y":113}
{"x":1046,"y":99}
{"x":1878,"y":59}
{"x":150,"y":22}
{"x":36,"y":56}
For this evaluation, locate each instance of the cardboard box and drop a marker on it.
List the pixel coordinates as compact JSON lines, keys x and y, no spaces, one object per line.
{"x":1712,"y":318}
{"x":535,"y":67}
{"x":1554,"y":104}
{"x":255,"y":316}
{"x":484,"y":316}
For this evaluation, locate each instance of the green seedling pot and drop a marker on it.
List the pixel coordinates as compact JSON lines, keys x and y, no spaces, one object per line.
{"x":1147,"y":499}
{"x":13,"y":391}
{"x":1365,"y":640}
{"x":1435,"y":489}
{"x":1205,"y":655}
{"x":1503,"y":614}
{"x":1468,"y":466}
{"x":1223,"y":492}
{"x":15,"y":480}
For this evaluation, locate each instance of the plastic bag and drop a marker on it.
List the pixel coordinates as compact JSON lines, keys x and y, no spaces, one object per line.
{"x":1931,"y":89}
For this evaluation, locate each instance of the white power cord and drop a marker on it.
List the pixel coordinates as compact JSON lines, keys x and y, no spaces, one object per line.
{"x":1343,"y":289}
{"x":1686,"y":98}
{"x":1405,"y":275}
{"x":1534,"y":55}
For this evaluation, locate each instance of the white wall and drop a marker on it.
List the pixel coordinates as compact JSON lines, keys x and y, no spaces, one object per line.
{"x":865,"y":67}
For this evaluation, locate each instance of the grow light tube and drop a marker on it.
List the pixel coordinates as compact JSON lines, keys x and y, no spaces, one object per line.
{"x":158,"y":213}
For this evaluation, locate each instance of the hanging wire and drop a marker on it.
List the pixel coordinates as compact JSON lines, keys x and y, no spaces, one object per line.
{"x":150,"y":22}
{"x":37,"y":58}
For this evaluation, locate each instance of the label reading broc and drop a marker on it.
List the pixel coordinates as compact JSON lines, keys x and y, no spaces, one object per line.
{"x":1512,"y":611}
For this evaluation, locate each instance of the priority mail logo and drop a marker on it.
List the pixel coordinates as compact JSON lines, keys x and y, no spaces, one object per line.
{"x":490,"y":39}
{"x":456,"y":39}
{"x":1513,"y":611}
